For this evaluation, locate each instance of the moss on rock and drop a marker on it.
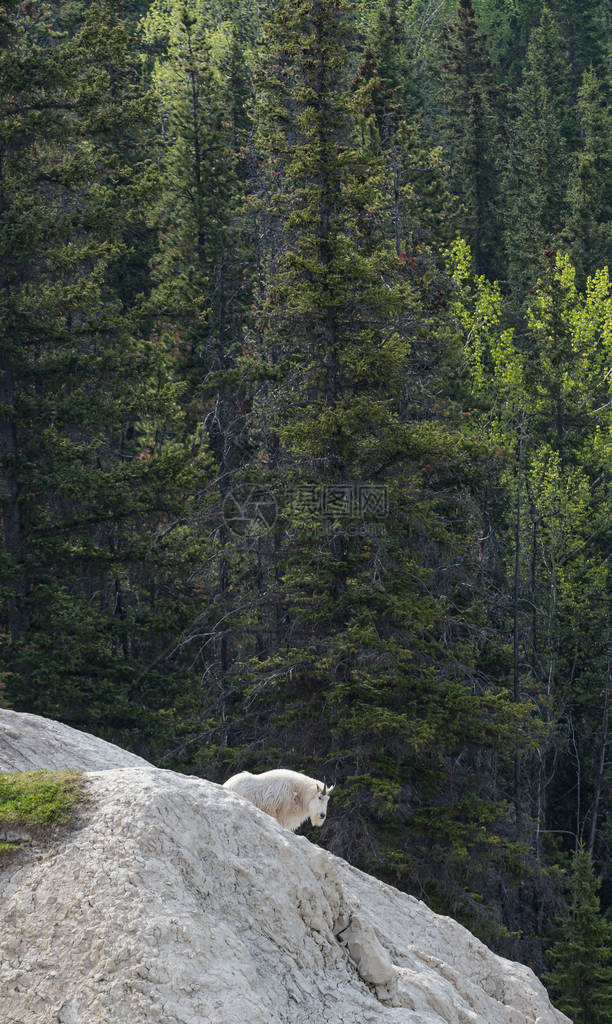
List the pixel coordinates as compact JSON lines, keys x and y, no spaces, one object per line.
{"x":36,"y":803}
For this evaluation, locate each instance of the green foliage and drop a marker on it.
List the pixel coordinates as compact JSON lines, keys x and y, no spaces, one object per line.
{"x":362,"y":631}
{"x":545,"y":407}
{"x":30,"y":799}
{"x":388,"y":38}
{"x":232,"y":301}
{"x":198,"y":174}
{"x":467,"y":97}
{"x":97,"y":451}
{"x":6,"y":850}
{"x":588,"y":230}
{"x":37,"y":802}
{"x":539,"y":155}
{"x":160,"y":19}
{"x":581,"y":957}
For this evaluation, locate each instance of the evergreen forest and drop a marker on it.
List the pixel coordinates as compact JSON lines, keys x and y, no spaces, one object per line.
{"x":306,"y":425}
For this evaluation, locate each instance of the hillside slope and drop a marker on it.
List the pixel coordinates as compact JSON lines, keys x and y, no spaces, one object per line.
{"x":176,"y":901}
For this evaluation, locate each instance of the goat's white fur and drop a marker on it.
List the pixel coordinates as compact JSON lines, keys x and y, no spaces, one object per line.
{"x":288,"y":796}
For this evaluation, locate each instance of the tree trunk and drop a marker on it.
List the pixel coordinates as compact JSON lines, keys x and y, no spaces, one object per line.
{"x":515,"y":612}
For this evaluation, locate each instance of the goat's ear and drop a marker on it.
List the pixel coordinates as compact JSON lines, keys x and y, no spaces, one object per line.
{"x":328,"y":790}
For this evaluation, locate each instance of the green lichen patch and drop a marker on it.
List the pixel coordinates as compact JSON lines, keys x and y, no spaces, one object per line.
{"x":37,"y":803}
{"x":6,"y":852}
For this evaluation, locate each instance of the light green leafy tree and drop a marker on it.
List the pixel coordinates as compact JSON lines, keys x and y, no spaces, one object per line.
{"x":545,"y":405}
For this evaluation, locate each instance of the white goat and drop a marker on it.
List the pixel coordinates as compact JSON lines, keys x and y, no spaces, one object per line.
{"x":288,"y":796}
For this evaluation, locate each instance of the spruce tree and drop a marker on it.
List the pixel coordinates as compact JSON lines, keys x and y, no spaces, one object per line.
{"x":99,"y":459}
{"x":468,"y":96}
{"x":587,"y":37}
{"x":588,"y":223}
{"x":541,"y":141}
{"x":581,"y":975}
{"x":199,"y":269}
{"x":398,"y":90}
{"x":422,"y":211}
{"x":201,"y":273}
{"x":350,"y":674}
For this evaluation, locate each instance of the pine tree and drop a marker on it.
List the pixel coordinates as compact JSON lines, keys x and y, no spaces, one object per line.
{"x":198,"y":183}
{"x":588,"y":224}
{"x":569,"y":362}
{"x":423,"y":212}
{"x":542,"y":137}
{"x":350,"y":672}
{"x":202,"y":284}
{"x":581,"y":975}
{"x":159,"y":17}
{"x":201,"y":263}
{"x":587,"y":37}
{"x":13,"y":592}
{"x":398,"y":90}
{"x":97,"y":462}
{"x":469,"y":96}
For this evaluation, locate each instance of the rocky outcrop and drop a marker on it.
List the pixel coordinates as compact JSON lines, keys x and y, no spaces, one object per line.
{"x":177,"y":902}
{"x":28,"y":742}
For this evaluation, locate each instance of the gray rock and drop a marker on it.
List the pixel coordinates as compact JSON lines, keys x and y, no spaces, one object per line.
{"x":178,"y":902}
{"x":28,"y":742}
{"x":370,"y":958}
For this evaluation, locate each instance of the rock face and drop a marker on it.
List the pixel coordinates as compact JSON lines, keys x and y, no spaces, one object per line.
{"x":177,"y":902}
{"x":28,"y":742}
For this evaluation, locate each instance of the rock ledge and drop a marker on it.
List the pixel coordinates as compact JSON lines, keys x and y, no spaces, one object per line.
{"x":177,"y":902}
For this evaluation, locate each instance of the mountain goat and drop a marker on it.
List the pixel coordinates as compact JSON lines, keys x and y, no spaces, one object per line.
{"x":289,"y":797}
